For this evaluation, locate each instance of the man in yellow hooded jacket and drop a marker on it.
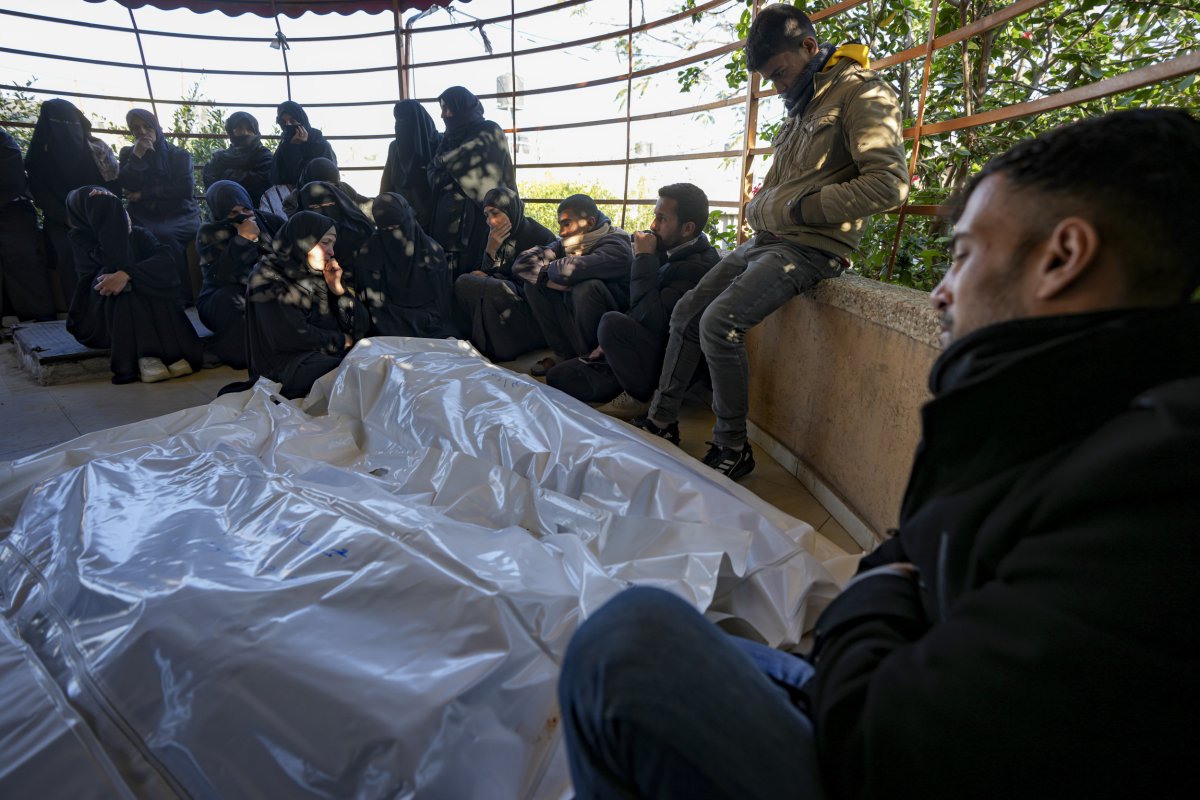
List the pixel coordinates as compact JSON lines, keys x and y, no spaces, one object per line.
{"x":838,"y":159}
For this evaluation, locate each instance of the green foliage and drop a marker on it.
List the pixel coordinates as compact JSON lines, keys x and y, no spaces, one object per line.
{"x":192,"y":118}
{"x":19,"y":107}
{"x":554,"y":190}
{"x":1061,"y":45}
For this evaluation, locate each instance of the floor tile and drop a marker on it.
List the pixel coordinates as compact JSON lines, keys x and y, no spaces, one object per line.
{"x":834,"y":532}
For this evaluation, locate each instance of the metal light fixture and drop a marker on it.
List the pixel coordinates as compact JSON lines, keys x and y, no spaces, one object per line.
{"x":280,"y":42}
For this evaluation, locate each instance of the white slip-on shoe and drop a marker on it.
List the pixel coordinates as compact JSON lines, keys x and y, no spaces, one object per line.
{"x":152,"y":370}
{"x":179,"y":368}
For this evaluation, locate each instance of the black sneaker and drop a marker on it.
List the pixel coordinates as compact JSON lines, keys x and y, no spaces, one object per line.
{"x":670,"y":433}
{"x":733,"y":464}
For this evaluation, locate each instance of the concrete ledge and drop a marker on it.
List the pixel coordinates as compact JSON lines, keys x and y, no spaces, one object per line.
{"x":837,"y":379}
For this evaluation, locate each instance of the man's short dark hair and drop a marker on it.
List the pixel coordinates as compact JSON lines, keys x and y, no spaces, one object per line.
{"x":776,"y":29}
{"x":1134,"y":174}
{"x":691,"y":203}
{"x":582,"y":206}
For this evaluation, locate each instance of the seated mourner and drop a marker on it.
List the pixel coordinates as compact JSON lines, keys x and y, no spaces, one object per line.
{"x":24,"y":282}
{"x":1030,"y":629}
{"x":669,"y":260}
{"x":493,"y":301}
{"x":300,"y":318}
{"x":127,"y":295}
{"x":402,"y":277}
{"x":574,"y":280}
{"x":354,"y":226}
{"x":159,"y":183}
{"x":299,"y":143}
{"x":324,"y":170}
{"x":246,"y":161}
{"x":229,"y":247}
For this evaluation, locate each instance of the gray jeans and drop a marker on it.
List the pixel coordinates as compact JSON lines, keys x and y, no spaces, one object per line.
{"x":735,"y":295}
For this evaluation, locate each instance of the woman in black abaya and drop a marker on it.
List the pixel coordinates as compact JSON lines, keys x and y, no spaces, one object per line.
{"x":63,"y":155}
{"x":354,"y":227}
{"x":471,"y":160}
{"x":159,"y":184}
{"x":300,"y":318}
{"x":407,"y":169}
{"x":501,"y":324}
{"x":299,"y":143}
{"x":325,"y":171}
{"x":402,"y":276}
{"x":126,"y":298}
{"x":246,"y":161}
{"x":229,"y":247}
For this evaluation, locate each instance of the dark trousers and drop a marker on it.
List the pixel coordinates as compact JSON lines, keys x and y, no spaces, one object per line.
{"x":61,"y":258}
{"x":569,"y":320}
{"x":634,"y":353}
{"x":659,"y":702}
{"x":224,"y":313}
{"x":24,"y":281}
{"x":300,"y":375}
{"x":712,"y":319}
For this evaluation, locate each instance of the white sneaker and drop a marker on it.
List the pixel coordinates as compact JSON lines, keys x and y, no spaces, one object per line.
{"x":625,"y":407}
{"x":152,"y":370}
{"x":179,"y":368}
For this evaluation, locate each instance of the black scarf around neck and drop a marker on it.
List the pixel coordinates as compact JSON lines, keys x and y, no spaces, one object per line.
{"x":800,"y":93}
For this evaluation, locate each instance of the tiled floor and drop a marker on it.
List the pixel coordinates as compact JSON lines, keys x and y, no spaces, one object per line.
{"x":35,"y":417}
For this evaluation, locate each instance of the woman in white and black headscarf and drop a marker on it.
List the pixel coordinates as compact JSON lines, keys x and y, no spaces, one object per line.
{"x":159,"y":184}
{"x":229,"y":247}
{"x":402,"y":276}
{"x":126,"y":298}
{"x":471,"y":160}
{"x":63,"y":155}
{"x":301,"y":319}
{"x":246,"y":161}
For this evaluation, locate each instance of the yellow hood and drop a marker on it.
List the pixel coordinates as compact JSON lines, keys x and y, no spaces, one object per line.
{"x":854,"y":52}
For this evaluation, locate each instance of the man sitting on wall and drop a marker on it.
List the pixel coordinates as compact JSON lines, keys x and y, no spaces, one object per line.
{"x":838,"y":158}
{"x":576,"y":279}
{"x":669,"y":260}
{"x":1030,"y":630}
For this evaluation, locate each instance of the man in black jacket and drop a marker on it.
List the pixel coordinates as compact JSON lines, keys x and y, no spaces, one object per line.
{"x":1029,"y":631}
{"x":669,"y":260}
{"x":576,"y":279}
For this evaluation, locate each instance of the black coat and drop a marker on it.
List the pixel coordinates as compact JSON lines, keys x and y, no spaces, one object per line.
{"x":610,"y":260}
{"x":1049,"y":648}
{"x":409,"y":154}
{"x":249,"y":166}
{"x":292,"y":157}
{"x":657,"y":281}
{"x":165,"y":180}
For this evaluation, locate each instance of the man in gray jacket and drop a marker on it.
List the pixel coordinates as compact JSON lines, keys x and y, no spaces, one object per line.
{"x":838,"y":159}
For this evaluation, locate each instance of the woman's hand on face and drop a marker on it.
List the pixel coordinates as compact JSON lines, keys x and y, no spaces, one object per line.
{"x":143,"y":144}
{"x":248,"y":229}
{"x":112,"y":284}
{"x":301,"y":135}
{"x":497,"y":236}
{"x":333,"y":277}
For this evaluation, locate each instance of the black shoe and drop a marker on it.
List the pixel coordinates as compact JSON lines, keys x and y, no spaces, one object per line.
{"x":670,"y":433}
{"x":733,"y":464}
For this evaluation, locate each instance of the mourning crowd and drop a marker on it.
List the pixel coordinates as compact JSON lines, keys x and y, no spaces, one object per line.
{"x":1028,"y":628}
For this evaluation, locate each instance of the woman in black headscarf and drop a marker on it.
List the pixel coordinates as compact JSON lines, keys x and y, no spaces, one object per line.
{"x":322,"y":169}
{"x":63,"y":155}
{"x":24,"y":281}
{"x":407,"y":170}
{"x":299,"y":144}
{"x":402,"y":276}
{"x":246,"y":161}
{"x":502,"y":326}
{"x":126,"y":298}
{"x":159,"y":184}
{"x":300,"y":318}
{"x":471,"y":160}
{"x":229,"y":247}
{"x":354,"y":227}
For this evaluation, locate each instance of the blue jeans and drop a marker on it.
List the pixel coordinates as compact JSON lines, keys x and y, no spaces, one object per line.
{"x":712,"y":319}
{"x":659,"y":702}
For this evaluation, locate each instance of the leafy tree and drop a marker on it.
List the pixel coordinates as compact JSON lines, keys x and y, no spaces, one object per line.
{"x":192,"y":118}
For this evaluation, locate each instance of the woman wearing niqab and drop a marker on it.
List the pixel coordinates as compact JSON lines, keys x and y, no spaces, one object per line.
{"x":63,"y":155}
{"x":301,"y":320}
{"x":126,"y":297}
{"x":471,"y":160}
{"x":501,"y":324}
{"x":402,"y":276}
{"x":246,"y":161}
{"x":159,"y":184}
{"x":229,"y":247}
{"x":407,"y":170}
{"x":354,"y":227}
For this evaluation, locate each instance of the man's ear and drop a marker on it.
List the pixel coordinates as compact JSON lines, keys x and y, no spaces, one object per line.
{"x":687,"y":231}
{"x":810,"y":45}
{"x":1066,"y":258}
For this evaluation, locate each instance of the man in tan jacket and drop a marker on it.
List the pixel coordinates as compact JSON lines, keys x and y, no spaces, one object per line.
{"x":838,"y":159}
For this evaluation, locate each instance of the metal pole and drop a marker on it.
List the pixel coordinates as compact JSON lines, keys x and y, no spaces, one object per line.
{"x":912,"y":163}
{"x":749,"y":142}
{"x":287,"y":76}
{"x":145,"y":71}
{"x":628,"y":114}
{"x":400,"y":71}
{"x":512,"y":75}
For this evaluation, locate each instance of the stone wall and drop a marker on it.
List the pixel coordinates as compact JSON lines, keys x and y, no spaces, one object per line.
{"x":837,"y":379}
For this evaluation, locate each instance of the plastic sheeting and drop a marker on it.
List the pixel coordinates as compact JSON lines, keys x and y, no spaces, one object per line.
{"x":364,"y":594}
